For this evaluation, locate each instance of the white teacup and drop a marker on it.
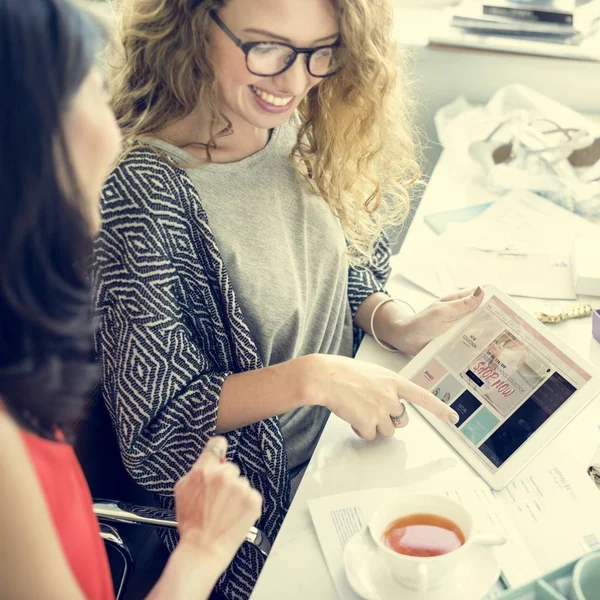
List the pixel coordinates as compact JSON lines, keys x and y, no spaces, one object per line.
{"x":425,"y":572}
{"x":586,"y":578}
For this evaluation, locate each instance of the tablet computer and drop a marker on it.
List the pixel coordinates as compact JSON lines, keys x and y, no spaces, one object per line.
{"x":513,"y":383}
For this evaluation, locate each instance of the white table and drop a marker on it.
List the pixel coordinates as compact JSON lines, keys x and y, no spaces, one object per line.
{"x":296,"y":569}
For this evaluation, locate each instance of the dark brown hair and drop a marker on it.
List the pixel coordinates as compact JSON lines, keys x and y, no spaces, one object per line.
{"x":47,"y":48}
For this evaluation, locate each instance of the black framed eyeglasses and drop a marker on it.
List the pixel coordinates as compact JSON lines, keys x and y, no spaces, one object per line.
{"x":268,"y":59}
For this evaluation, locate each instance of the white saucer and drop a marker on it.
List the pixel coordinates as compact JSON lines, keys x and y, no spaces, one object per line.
{"x":371,"y":579}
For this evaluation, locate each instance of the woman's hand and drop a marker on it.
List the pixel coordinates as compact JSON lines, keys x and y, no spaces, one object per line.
{"x":215,"y":506}
{"x":366,"y":396}
{"x":411,"y":335}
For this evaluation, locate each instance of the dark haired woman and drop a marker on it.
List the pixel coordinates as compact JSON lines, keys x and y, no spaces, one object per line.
{"x":58,"y":139}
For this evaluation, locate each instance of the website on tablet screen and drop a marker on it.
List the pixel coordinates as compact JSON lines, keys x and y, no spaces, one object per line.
{"x":503,"y":378}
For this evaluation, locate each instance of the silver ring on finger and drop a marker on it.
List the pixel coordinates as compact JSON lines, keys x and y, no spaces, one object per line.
{"x":218,"y":451}
{"x":401,"y":419}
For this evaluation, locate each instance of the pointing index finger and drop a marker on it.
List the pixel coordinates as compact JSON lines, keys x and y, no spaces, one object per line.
{"x":420,"y":397}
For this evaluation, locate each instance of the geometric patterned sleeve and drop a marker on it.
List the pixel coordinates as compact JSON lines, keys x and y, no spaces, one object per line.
{"x":364,"y":281}
{"x":161,"y":381}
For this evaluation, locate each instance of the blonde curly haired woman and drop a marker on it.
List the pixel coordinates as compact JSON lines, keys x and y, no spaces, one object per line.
{"x":242,"y":253}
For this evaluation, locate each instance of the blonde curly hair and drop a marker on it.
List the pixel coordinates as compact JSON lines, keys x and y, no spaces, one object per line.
{"x":355,"y":145}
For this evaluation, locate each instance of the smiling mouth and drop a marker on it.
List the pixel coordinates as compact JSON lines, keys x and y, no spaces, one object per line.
{"x":270,"y":99}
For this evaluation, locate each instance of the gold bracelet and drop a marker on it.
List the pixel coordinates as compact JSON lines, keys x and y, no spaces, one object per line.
{"x":575,"y":312}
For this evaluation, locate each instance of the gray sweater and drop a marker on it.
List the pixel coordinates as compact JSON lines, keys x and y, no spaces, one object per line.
{"x":286,"y":255}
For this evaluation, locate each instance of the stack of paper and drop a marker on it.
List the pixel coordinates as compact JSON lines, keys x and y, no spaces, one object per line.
{"x":558,"y":19}
{"x":511,"y":26}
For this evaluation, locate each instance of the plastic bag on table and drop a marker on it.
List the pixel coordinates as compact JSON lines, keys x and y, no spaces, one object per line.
{"x":523,"y":140}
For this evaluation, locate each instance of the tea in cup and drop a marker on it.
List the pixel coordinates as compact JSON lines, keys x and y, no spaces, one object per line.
{"x":424,"y":537}
{"x":423,"y":534}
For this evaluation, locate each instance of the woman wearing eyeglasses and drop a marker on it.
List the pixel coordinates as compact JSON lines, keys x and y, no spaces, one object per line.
{"x":58,"y":139}
{"x":242,"y":252}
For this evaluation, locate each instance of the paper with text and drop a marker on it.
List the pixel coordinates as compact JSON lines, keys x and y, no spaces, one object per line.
{"x":338,"y":518}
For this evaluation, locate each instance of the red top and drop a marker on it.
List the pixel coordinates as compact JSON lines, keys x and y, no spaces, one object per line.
{"x":70,"y":505}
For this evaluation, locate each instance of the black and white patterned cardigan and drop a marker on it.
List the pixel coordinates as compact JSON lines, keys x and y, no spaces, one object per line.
{"x":171,"y":330}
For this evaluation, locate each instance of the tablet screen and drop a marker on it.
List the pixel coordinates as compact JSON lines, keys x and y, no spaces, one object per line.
{"x":503,"y":378}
